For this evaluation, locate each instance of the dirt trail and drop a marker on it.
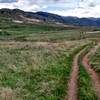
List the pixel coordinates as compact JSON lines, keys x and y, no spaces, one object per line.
{"x":73,"y":82}
{"x":72,"y":93}
{"x":94,"y":76}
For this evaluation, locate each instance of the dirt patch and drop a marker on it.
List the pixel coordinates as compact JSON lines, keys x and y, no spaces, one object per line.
{"x":72,"y":93}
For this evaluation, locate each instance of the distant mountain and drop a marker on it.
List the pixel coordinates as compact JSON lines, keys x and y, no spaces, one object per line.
{"x":18,"y":14}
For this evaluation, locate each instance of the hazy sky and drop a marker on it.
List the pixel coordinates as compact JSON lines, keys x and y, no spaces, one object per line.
{"x":80,"y":8}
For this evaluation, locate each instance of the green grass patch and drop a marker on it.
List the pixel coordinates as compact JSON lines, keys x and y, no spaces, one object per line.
{"x":94,"y":60}
{"x":86,"y":90}
{"x":34,"y":73}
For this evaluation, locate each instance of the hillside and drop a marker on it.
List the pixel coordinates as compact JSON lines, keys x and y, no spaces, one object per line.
{"x":17,"y":14}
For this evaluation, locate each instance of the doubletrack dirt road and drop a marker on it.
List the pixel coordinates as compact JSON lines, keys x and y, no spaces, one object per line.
{"x":72,"y":93}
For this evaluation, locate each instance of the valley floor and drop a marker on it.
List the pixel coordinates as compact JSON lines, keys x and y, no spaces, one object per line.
{"x":48,"y":62}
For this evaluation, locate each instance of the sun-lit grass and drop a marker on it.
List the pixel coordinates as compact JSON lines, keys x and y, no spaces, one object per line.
{"x":35,"y":70}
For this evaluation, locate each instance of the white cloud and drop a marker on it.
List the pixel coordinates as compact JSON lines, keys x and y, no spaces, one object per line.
{"x":80,"y":8}
{"x":83,"y":9}
{"x":80,"y":12}
{"x":21,"y":4}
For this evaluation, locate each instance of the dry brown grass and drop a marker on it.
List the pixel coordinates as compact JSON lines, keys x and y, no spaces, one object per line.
{"x":35,"y":70}
{"x":7,"y":94}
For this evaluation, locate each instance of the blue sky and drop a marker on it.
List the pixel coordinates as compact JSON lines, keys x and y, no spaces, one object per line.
{"x":80,"y":8}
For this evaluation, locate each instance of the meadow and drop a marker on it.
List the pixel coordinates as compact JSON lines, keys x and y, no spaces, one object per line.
{"x":41,"y":31}
{"x":36,"y":71}
{"x":36,"y":60}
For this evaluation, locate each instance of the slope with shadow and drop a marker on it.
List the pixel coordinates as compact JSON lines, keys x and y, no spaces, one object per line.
{"x":49,"y":17}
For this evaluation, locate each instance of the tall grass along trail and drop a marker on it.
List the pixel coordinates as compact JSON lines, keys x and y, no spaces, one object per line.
{"x":94,"y":76}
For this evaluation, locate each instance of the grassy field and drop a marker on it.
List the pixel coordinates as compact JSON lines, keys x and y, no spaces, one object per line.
{"x":35,"y":71}
{"x":36,"y":60}
{"x":40,"y":32}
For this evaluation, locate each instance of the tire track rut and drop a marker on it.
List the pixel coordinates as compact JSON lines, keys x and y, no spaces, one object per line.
{"x":94,"y":76}
{"x":72,"y":93}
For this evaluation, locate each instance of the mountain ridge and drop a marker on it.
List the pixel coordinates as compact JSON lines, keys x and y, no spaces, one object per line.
{"x":49,"y":17}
